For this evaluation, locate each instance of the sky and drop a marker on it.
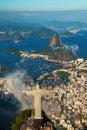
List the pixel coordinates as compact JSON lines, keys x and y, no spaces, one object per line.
{"x":36,"y":5}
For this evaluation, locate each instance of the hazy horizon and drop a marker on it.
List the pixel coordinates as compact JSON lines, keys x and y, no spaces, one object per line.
{"x":61,"y":10}
{"x":43,"y":5}
{"x":69,"y":15}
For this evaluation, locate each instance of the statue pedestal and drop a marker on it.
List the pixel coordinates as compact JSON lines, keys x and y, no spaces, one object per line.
{"x":38,"y":122}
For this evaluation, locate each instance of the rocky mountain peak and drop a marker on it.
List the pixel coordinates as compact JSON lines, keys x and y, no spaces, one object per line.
{"x":55,"y":41}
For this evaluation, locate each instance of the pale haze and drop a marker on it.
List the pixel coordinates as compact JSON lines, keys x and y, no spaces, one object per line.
{"x":43,"y":5}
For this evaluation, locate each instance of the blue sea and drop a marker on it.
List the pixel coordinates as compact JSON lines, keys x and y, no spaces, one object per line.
{"x":78,"y":43}
{"x":36,"y":67}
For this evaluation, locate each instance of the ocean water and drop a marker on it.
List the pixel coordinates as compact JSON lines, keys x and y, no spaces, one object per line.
{"x":78,"y":43}
{"x":28,"y":45}
{"x":41,"y":16}
{"x":36,"y":67}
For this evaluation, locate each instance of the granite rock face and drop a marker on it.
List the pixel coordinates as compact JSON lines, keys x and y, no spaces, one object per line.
{"x":55,"y":41}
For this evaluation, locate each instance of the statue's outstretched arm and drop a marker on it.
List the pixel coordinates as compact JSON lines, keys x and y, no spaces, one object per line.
{"x":29,"y":93}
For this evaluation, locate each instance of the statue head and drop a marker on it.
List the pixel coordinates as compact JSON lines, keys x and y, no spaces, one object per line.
{"x":37,"y":86}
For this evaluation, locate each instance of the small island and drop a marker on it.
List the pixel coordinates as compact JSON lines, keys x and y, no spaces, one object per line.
{"x":12,"y":50}
{"x":3,"y":69}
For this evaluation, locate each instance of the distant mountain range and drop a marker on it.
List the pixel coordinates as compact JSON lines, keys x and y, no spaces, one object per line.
{"x":17,"y":31}
{"x":15,"y":36}
{"x":63,"y":24}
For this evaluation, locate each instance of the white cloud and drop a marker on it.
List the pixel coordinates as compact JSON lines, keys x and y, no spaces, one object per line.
{"x":16,"y":84}
{"x":74,"y":48}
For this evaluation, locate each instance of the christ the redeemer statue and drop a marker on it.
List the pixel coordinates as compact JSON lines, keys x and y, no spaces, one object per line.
{"x":37,"y":93}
